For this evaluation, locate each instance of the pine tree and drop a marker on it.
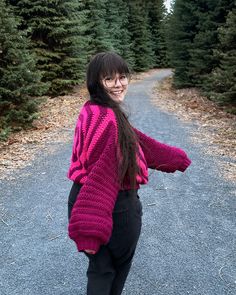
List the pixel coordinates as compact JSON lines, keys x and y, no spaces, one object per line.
{"x":58,"y":38}
{"x":165,"y":29}
{"x":222,"y":81}
{"x":117,"y":23}
{"x":96,"y":31}
{"x":113,"y":23}
{"x":211,"y":14}
{"x":19,"y":79}
{"x":141,"y":35}
{"x":180,"y":35}
{"x":156,"y":13}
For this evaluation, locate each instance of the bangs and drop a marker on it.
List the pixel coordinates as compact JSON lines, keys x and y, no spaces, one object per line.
{"x":113,"y":64}
{"x":102,"y":65}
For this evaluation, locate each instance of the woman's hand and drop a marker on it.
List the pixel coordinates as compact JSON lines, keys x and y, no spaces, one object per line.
{"x":90,"y":251}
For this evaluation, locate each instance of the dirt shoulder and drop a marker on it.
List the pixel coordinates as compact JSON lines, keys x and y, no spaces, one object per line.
{"x":215,"y":126}
{"x":55,"y":125}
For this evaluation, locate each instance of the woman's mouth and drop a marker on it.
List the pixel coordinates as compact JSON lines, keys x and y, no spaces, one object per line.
{"x":118,"y":92}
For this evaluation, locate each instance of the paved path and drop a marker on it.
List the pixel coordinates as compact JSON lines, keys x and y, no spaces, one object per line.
{"x":187,"y":245}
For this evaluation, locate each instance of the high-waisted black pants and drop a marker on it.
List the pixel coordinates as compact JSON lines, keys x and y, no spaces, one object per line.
{"x":109,"y":267}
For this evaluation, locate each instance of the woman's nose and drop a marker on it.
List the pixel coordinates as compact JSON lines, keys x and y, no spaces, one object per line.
{"x":117,"y":82}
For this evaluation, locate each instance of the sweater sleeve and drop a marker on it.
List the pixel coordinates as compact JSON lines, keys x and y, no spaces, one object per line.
{"x":90,"y":224}
{"x":161,"y":156}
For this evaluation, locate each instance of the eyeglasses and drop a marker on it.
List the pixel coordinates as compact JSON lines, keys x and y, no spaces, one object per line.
{"x":111,"y":81}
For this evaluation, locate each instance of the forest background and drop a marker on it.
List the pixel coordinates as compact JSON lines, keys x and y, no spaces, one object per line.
{"x":45,"y":46}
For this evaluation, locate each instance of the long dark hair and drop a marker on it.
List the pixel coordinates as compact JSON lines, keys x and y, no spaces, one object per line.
{"x":108,"y":64}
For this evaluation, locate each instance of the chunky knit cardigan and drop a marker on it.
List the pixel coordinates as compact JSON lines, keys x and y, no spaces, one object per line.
{"x":94,"y":163}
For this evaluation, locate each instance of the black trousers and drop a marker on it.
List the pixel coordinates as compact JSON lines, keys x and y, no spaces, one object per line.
{"x":109,"y":267}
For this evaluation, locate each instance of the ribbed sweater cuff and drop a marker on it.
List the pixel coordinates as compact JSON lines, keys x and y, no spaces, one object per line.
{"x":185,"y":164}
{"x":87,"y":244}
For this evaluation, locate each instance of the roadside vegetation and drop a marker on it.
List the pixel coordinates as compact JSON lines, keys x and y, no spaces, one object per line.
{"x":215,"y":128}
{"x":45,"y":46}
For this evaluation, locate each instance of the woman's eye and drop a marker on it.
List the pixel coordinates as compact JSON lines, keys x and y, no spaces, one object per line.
{"x":108,"y":79}
{"x":122,"y":77}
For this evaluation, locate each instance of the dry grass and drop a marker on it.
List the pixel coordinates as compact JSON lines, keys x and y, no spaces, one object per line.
{"x":136,"y":77}
{"x":216,"y":127}
{"x":55,"y":124}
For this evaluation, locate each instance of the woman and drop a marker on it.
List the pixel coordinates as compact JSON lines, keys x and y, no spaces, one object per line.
{"x":110,"y":160}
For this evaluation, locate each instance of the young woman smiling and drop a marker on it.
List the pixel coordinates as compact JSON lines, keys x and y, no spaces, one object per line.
{"x":110,"y":160}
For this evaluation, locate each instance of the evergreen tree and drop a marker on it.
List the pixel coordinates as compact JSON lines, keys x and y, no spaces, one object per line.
{"x":222,"y":81}
{"x":210,"y":14}
{"x":180,"y":35}
{"x":19,"y":79}
{"x":96,"y":31}
{"x":57,"y":33}
{"x":165,"y":30}
{"x":117,"y":23}
{"x":141,"y":35}
{"x":156,"y":13}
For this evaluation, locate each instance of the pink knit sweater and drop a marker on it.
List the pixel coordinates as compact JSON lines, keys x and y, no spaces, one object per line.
{"x":94,"y":163}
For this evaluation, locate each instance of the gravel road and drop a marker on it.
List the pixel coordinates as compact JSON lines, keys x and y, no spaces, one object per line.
{"x":188,"y":240}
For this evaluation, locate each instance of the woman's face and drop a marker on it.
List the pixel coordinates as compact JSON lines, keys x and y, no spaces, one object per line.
{"x":116,"y":86}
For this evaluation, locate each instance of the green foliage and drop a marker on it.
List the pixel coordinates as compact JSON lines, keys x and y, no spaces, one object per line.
{"x":202,"y":47}
{"x":141,"y":35}
{"x":122,"y":27}
{"x":4,"y":133}
{"x":117,"y":14}
{"x":165,"y":30}
{"x":222,"y":81}
{"x":211,"y":14}
{"x":65,"y":34}
{"x":156,"y":16}
{"x":180,"y":35}
{"x":95,"y":28}
{"x":19,"y":79}
{"x":58,"y":39}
